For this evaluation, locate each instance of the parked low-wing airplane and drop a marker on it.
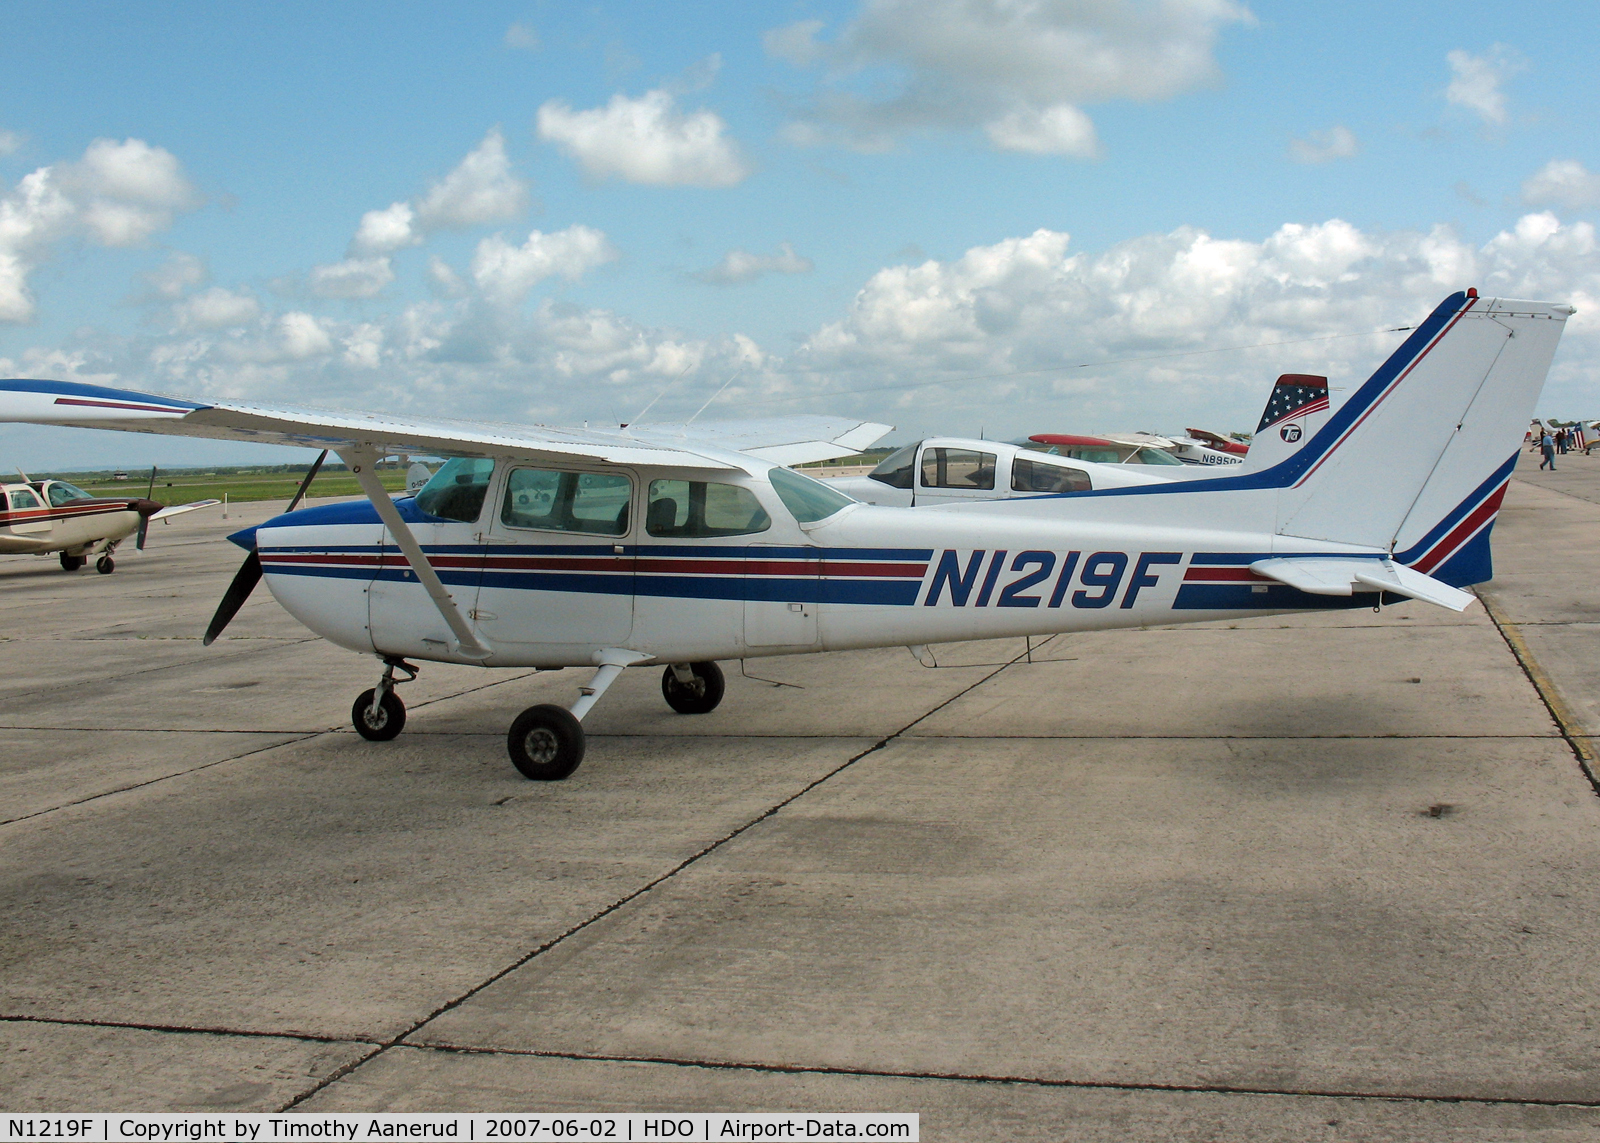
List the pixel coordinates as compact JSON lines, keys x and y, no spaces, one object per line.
{"x":678,"y":546}
{"x":41,"y":517}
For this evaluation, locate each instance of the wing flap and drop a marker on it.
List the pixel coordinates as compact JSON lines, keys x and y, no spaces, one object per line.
{"x":1329,"y":576}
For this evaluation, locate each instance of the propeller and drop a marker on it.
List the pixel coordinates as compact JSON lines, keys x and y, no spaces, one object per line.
{"x":249,"y":573}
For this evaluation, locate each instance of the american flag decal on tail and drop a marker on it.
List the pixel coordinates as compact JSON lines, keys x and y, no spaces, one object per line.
{"x":1294,"y":395}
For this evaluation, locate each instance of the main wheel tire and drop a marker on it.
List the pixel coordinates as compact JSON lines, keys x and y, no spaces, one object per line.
{"x":546,"y":743}
{"x":698,"y":697}
{"x":105,"y":565}
{"x":71,"y":563}
{"x":386,"y":724}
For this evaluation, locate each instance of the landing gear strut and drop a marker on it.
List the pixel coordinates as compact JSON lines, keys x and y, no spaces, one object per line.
{"x":378,"y":714}
{"x":546,"y":743}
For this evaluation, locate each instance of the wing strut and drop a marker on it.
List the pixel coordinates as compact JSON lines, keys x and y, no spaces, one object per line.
{"x":361,"y":462}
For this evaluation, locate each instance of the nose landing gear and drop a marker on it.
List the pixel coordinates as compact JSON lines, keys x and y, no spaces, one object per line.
{"x":378,"y":714}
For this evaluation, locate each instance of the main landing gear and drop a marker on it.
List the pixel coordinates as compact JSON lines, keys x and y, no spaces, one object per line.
{"x":546,"y":742}
{"x":71,"y":563}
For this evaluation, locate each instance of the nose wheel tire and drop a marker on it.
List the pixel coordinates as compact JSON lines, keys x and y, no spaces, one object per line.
{"x":698,"y":697}
{"x":105,"y":565}
{"x":386,"y":723}
{"x":546,"y":743}
{"x":71,"y":563}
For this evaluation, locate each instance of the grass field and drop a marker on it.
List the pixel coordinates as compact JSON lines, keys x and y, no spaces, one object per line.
{"x":182,"y":485}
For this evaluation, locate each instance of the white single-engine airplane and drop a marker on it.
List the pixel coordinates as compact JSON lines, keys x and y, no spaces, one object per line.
{"x":677,"y":546}
{"x":41,"y":517}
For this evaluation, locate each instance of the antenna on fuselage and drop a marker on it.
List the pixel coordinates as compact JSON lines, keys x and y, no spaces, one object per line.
{"x":714,"y":396}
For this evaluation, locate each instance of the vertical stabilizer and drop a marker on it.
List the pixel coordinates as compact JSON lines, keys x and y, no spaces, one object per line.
{"x":1417,"y":459}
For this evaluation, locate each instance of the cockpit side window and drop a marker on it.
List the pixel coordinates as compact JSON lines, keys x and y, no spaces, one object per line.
{"x":696,"y":509}
{"x":899,"y":468}
{"x":1154,"y":456}
{"x":1029,"y":475}
{"x":594,"y":502}
{"x":957,"y":468}
{"x":457,"y":490}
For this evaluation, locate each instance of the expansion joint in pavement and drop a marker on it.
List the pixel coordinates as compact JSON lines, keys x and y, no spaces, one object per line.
{"x":1564,"y":719}
{"x":1018,"y":1080}
{"x":340,"y":1073}
{"x":182,"y":1029}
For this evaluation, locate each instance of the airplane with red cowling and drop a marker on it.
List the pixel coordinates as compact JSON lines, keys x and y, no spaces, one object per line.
{"x":684,"y":545}
{"x":53,"y":517}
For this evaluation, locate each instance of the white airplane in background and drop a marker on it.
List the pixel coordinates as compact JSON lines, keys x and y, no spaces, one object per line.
{"x":538,"y":547}
{"x":940,"y":470}
{"x":42,"y":517}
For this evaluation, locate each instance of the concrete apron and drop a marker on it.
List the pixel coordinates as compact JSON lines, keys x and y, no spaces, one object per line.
{"x":1169,"y":884}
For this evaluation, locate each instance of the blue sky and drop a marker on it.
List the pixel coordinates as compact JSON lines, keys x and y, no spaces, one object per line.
{"x":551,"y":212}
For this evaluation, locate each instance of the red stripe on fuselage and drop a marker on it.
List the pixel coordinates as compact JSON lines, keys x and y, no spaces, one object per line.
{"x":1463,"y":531}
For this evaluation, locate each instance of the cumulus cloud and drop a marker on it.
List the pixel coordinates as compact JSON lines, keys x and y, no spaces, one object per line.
{"x":117,"y":194}
{"x":481,"y":189}
{"x":216,"y":308}
{"x":646,"y":140}
{"x":1149,"y":316}
{"x":742,"y":266}
{"x":1324,"y":146}
{"x":9,"y":141}
{"x":523,"y":37}
{"x":1565,"y":183}
{"x":178,"y":274}
{"x":351,"y":278}
{"x":505,"y":273}
{"x":1020,"y":70}
{"x":1058,"y":130}
{"x":1475,"y":81}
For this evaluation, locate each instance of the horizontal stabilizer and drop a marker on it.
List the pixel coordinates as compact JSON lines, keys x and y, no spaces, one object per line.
{"x":1323,"y":576}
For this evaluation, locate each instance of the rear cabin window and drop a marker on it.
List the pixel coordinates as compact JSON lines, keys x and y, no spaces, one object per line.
{"x":1029,"y":475}
{"x":457,"y":490}
{"x":809,"y":500}
{"x":22,"y":498}
{"x":695,"y":509}
{"x":899,"y":468}
{"x":957,"y":468}
{"x":593,"y":502}
{"x":1094,"y":455}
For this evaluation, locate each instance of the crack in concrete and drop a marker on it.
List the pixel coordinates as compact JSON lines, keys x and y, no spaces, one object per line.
{"x":1029,"y":1081}
{"x":183,"y":1029}
{"x":450,"y":1005}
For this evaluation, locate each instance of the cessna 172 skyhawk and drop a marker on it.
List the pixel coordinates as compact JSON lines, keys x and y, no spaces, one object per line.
{"x":41,"y":517}
{"x":557,"y":548}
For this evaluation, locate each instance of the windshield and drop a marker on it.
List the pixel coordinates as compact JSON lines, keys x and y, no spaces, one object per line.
{"x":897,"y":469}
{"x":1154,"y":456}
{"x":59,"y":492}
{"x":457,"y":490}
{"x":808,"y":499}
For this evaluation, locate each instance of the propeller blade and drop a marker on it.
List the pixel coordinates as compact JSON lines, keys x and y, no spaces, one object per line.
{"x":151,"y":491}
{"x":244,"y":582}
{"x":306,"y":483}
{"x":144,"y":530}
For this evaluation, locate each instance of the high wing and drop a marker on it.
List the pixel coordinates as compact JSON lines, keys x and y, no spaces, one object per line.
{"x":782,"y":440}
